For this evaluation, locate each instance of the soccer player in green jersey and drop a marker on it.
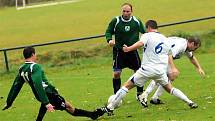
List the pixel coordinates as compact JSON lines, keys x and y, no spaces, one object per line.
{"x":33,"y":74}
{"x":126,"y":29}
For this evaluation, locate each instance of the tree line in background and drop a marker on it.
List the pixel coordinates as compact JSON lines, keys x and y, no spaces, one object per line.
{"x":7,"y":3}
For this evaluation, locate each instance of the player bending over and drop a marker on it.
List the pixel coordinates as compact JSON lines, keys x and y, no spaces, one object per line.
{"x":179,"y":47}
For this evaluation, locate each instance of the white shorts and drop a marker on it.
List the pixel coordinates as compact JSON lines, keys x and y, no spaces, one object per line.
{"x":142,"y":75}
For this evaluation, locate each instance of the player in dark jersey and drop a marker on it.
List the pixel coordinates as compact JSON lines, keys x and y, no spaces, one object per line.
{"x":33,"y":74}
{"x":126,"y":29}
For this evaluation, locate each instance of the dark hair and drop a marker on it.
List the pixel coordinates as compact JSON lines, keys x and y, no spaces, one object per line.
{"x":128,"y":5}
{"x":194,"y":39}
{"x":28,"y":52}
{"x":152,"y":24}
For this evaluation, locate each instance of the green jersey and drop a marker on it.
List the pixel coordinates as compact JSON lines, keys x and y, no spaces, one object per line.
{"x":125,"y":31}
{"x":33,"y":74}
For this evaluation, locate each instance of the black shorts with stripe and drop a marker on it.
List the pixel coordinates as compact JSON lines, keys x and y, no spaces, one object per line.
{"x":122,"y":60}
{"x":57,"y":101}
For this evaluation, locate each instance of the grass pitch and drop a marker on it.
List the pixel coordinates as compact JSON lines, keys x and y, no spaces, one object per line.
{"x":89,"y":85}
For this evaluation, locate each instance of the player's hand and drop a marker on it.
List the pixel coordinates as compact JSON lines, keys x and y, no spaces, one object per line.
{"x":111,"y":43}
{"x":201,"y":72}
{"x":50,"y":107}
{"x":6,"y":107}
{"x":125,"y":48}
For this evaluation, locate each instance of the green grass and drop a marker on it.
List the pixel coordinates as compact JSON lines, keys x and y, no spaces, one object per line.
{"x":88,"y":85}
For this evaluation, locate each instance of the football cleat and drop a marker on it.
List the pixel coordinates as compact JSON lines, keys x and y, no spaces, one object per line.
{"x":143,"y":102}
{"x":101,"y":111}
{"x":193,"y":105}
{"x":156,"y":101}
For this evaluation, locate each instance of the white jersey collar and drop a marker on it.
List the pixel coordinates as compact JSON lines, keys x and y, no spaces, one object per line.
{"x":126,"y":20}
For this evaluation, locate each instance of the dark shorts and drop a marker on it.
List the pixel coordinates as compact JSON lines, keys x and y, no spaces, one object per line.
{"x":122,"y":60}
{"x":57,"y":101}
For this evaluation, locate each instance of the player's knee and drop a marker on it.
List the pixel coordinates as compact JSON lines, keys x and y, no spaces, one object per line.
{"x":173,"y":76}
{"x":69,"y":107}
{"x":116,"y":74}
{"x":168,"y":87}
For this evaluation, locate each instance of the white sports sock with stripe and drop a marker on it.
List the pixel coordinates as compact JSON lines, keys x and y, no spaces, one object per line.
{"x":120,"y":94}
{"x":176,"y":92}
{"x":152,"y":85}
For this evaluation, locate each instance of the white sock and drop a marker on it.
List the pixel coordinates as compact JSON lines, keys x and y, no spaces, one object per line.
{"x":152,"y":85}
{"x":158,"y":93}
{"x":120,"y":94}
{"x":180,"y":95}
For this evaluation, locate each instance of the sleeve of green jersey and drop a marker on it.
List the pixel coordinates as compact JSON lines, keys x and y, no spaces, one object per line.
{"x":15,"y":89}
{"x":110,"y":30}
{"x":142,"y":27}
{"x":44,"y":78}
{"x":37,"y":80}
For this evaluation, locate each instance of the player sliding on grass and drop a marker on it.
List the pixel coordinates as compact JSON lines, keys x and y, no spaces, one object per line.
{"x":32,"y":73}
{"x":179,"y":47}
{"x":156,"y":56}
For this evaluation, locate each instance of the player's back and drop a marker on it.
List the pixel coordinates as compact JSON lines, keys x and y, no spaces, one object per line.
{"x":26,"y":70}
{"x":178,"y":47}
{"x":155,"y":52}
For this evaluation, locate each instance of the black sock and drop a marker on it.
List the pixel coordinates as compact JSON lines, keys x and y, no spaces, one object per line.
{"x":116,"y":84}
{"x":139,"y":90}
{"x":41,"y":113}
{"x":80,"y":112}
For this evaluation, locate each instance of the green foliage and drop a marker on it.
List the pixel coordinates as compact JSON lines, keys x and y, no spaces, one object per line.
{"x":208,"y":42}
{"x":4,"y":3}
{"x":181,"y":34}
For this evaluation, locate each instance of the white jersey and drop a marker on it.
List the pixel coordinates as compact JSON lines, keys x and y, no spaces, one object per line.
{"x":178,"y":47}
{"x":155,"y":52}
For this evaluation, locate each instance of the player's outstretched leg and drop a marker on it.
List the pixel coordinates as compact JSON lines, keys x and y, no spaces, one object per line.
{"x":176,"y":92}
{"x":79,"y":112}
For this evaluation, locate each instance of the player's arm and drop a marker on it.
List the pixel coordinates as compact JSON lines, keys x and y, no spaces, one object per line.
{"x":37,"y":80}
{"x":133,"y":47}
{"x":110,"y":31}
{"x":14,"y":91}
{"x":142,"y":27}
{"x":174,"y":70}
{"x":143,"y":40}
{"x":195,"y":62}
